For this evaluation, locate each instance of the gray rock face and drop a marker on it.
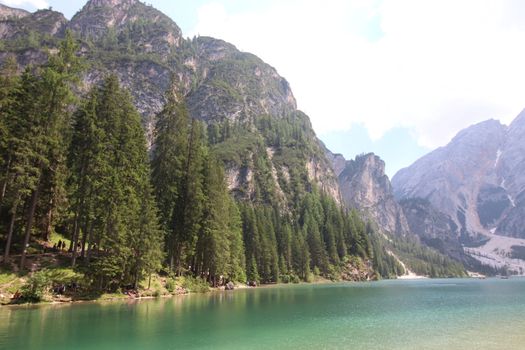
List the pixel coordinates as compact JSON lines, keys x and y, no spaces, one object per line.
{"x":235,"y":85}
{"x":451,"y":178}
{"x":423,"y":218}
{"x":337,"y":160}
{"x":477,"y":180}
{"x":100,"y":17}
{"x":7,"y":12}
{"x":436,"y":230}
{"x":365,"y":186}
{"x":510,"y":169}
{"x":17,"y":24}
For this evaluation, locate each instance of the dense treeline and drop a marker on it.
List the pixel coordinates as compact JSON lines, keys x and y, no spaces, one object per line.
{"x":36,"y":123}
{"x":82,"y":168}
{"x":425,"y":261}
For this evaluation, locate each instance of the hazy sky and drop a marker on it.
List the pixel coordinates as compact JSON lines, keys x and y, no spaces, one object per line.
{"x":397,"y":77}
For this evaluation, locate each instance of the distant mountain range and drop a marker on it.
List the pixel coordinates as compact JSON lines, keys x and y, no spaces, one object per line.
{"x":472,"y":191}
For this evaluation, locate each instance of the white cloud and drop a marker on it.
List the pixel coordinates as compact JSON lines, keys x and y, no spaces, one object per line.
{"x":439,"y":66}
{"x":37,"y":4}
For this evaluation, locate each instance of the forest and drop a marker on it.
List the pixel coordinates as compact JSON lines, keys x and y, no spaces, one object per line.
{"x":80,"y":167}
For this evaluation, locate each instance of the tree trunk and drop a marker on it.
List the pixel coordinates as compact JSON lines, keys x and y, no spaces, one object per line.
{"x":47,"y":232}
{"x":74,"y":242}
{"x":29,"y":224}
{"x":4,"y":185}
{"x":135,"y":280}
{"x":89,"y":243}
{"x":85,"y":232}
{"x":11,"y":229}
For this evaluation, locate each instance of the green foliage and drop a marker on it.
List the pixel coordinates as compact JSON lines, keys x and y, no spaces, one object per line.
{"x":195,"y":284}
{"x":419,"y":259}
{"x":7,"y":277}
{"x":39,"y":284}
{"x":36,"y":287}
{"x":319,"y":241}
{"x":171,"y":285}
{"x":426,"y":261}
{"x":384,"y":262}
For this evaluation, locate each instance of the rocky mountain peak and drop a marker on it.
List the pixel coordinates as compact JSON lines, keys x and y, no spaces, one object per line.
{"x":17,"y":24}
{"x":475,"y":191}
{"x":371,"y":165}
{"x":98,"y":17}
{"x":367,"y":174}
{"x":478,"y":133}
{"x":7,"y":12}
{"x":365,"y":187}
{"x":109,"y":3}
{"x":249,"y":85}
{"x":518,"y":125}
{"x":520,"y":118}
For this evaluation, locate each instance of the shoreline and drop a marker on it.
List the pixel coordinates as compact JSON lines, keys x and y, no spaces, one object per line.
{"x":238,"y":287}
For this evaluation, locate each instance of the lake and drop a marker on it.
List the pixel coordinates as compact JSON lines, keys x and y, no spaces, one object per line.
{"x":419,"y":314}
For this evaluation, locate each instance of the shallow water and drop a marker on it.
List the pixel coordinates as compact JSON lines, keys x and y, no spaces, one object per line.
{"x":421,"y":314}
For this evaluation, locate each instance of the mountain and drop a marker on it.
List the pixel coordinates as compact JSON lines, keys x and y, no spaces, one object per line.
{"x":146,"y":50}
{"x":365,"y":186}
{"x":19,"y":26}
{"x":471,"y":192}
{"x":7,"y":13}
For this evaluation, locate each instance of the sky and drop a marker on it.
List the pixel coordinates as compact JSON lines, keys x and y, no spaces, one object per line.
{"x":394,"y":77}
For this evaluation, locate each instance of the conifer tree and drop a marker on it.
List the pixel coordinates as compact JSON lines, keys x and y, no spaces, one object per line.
{"x":213,"y":250}
{"x":9,"y":82}
{"x":169,"y":162}
{"x":26,"y":147}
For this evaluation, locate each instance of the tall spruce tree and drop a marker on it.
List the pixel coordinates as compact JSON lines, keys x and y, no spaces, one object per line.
{"x":219,"y":248}
{"x":9,"y":82}
{"x":169,"y":164}
{"x":27,"y":149}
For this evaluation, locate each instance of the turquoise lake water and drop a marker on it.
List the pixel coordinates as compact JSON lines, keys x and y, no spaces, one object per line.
{"x":421,"y":314}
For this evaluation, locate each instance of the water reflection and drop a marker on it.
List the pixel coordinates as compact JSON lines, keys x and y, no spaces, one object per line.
{"x":306,"y":316}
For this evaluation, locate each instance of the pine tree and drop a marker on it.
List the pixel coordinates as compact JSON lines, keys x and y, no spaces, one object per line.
{"x":169,"y":164}
{"x":26,"y":147}
{"x":236,"y":268}
{"x":252,"y":273}
{"x":213,"y":251}
{"x":9,"y":83}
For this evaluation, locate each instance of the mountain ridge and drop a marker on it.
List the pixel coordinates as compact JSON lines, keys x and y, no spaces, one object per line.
{"x":477,"y":182}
